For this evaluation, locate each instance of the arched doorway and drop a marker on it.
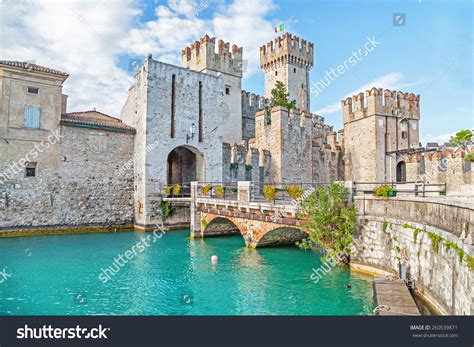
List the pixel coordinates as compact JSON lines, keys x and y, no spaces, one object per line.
{"x":185,"y":165}
{"x":401,"y":172}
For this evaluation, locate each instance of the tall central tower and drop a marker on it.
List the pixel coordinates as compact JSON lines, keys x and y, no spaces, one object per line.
{"x":226,"y":63}
{"x":288,"y":59}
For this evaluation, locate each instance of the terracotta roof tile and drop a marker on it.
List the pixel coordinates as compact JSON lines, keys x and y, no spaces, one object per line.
{"x":32,"y":67}
{"x":95,"y":119}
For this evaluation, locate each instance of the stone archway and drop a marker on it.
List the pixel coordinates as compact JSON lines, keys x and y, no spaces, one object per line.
{"x":185,"y":164}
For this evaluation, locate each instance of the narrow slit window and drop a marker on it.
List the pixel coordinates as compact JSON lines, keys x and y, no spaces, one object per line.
{"x":173,"y":107}
{"x":200,"y":113}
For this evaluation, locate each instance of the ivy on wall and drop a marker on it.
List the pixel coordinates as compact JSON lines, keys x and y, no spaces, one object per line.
{"x":436,"y":240}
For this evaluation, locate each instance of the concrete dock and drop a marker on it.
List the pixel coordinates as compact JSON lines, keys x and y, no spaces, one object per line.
{"x":392,"y":298}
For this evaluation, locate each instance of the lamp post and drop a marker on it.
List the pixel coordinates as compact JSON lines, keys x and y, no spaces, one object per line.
{"x":192,"y":131}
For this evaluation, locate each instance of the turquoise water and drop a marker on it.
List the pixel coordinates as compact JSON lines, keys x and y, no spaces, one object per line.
{"x":59,"y":275}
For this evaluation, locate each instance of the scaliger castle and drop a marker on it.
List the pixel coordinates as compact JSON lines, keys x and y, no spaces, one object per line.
{"x":66,"y":171}
{"x":195,"y":123}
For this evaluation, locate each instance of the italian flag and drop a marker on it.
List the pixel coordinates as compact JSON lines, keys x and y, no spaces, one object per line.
{"x":279,"y":28}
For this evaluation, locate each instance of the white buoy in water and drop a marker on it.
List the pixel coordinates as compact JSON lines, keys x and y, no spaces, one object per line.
{"x":214,"y":259}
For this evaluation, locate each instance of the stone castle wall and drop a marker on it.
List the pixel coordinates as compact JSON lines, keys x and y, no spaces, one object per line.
{"x":388,"y":235}
{"x":443,"y":167}
{"x":298,"y":143}
{"x":251,"y":104}
{"x":83,"y":189}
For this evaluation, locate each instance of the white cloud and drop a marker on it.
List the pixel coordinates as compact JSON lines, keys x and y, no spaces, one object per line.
{"x":75,"y":37}
{"x":392,"y":80}
{"x":179,"y":24}
{"x":86,"y":39}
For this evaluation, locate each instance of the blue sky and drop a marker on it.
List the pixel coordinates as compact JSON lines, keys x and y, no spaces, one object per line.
{"x":94,"y":40}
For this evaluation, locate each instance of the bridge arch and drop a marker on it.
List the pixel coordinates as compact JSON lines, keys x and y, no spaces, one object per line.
{"x":218,"y":226}
{"x":280,"y":236}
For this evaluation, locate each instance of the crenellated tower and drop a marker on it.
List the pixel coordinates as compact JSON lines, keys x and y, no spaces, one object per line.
{"x":226,"y":63}
{"x":379,"y":127}
{"x":288,"y":59}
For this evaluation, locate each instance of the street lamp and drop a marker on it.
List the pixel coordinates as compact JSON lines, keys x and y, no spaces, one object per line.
{"x":192,"y":131}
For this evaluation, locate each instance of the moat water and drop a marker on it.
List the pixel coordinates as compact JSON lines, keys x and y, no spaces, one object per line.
{"x":59,"y":275}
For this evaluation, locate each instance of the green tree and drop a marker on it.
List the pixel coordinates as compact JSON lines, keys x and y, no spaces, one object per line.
{"x":331,"y":220}
{"x":280,"y":96}
{"x":464,"y":139}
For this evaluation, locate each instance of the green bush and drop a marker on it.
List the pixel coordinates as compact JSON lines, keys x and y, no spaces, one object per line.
{"x":330,"y":219}
{"x":165,"y":209}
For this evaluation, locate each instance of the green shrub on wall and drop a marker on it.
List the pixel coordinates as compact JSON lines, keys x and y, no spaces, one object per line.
{"x":165,"y":209}
{"x":330,"y":220}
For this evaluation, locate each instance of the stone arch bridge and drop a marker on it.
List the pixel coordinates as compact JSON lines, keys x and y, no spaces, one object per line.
{"x":244,"y":212}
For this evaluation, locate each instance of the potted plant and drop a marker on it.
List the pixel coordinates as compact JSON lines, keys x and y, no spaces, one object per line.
{"x":206,"y":189}
{"x":177,"y":189}
{"x":294,"y":192}
{"x":269,"y":192}
{"x":168,"y":190}
{"x":219,"y":191}
{"x":385,"y":191}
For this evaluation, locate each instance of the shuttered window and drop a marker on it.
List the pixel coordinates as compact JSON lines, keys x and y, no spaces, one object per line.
{"x":32,"y":117}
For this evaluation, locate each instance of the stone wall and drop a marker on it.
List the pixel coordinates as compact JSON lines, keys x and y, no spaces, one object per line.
{"x":406,"y":230}
{"x":299,"y":146}
{"x":443,"y":167}
{"x":251,"y":104}
{"x":83,"y":189}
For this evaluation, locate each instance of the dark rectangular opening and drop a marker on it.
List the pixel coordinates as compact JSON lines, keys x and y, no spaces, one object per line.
{"x":200,"y":113}
{"x":173,"y":107}
{"x":33,"y":90}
